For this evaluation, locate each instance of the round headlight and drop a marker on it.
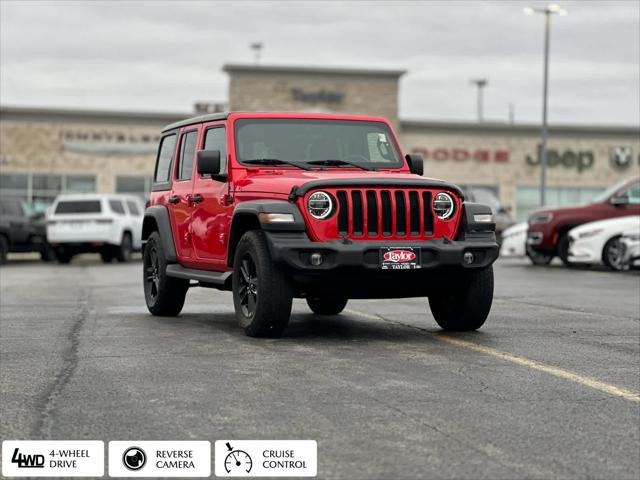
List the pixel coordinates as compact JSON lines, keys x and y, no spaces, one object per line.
{"x":320,"y":205}
{"x":443,"y":205}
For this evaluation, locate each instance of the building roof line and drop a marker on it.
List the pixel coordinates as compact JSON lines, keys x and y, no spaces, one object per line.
{"x":289,"y":69}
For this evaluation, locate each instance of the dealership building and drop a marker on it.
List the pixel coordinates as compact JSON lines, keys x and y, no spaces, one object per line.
{"x":44,"y":152}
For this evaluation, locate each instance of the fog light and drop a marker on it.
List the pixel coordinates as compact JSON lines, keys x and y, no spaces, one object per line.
{"x":316,"y":259}
{"x":468,"y":258}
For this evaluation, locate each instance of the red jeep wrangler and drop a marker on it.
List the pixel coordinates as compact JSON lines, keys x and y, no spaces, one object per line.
{"x":274,"y":206}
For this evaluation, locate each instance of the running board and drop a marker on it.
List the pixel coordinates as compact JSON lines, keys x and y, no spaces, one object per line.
{"x":205,"y":276}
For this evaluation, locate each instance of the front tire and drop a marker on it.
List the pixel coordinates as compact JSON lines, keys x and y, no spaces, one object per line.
{"x":612,"y":254}
{"x":4,"y":249}
{"x":164,"y":295}
{"x":262,"y":294}
{"x":563,"y":250}
{"x":327,"y":305}
{"x":63,"y":255}
{"x":539,"y":258}
{"x":465,"y":305}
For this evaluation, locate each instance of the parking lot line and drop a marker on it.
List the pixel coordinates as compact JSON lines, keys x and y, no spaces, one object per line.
{"x":526,"y":362}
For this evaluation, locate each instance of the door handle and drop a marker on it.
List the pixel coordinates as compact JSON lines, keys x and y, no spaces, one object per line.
{"x":197,"y":198}
{"x":175,"y":199}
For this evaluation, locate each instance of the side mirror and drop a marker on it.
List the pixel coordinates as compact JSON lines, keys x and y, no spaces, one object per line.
{"x":620,"y":200}
{"x":416,"y":163}
{"x":208,"y":162}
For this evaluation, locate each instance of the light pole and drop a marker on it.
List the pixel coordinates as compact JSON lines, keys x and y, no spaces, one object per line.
{"x":480,"y":83}
{"x":549,"y":10}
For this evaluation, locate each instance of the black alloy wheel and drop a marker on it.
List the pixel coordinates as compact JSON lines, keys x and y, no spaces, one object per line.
{"x":152,"y":272}
{"x":248,"y":286}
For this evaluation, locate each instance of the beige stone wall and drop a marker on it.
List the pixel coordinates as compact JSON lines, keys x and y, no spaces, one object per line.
{"x":268,"y":91}
{"x":36,"y":147}
{"x":515,"y":171}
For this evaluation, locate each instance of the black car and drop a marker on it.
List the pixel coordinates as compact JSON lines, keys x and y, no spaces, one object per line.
{"x":21,"y":231}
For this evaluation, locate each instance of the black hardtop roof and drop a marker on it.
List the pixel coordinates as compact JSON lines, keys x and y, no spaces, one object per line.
{"x":210,"y":117}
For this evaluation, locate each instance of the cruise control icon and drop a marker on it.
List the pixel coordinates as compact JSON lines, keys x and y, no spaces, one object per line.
{"x":237,"y":461}
{"x":134,"y":458}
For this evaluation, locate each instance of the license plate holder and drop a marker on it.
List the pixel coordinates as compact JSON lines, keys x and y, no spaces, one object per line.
{"x":400,"y":258}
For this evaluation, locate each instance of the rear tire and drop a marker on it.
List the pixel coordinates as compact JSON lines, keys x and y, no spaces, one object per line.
{"x":123,"y":253}
{"x":4,"y":249}
{"x":327,"y":305}
{"x":163,"y":295}
{"x":262,"y":294}
{"x":63,"y":256}
{"x":612,"y":254}
{"x":106,"y":255}
{"x":47,"y":253}
{"x":466,"y":304}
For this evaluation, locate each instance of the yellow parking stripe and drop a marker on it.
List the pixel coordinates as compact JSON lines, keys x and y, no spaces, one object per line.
{"x":525,"y":362}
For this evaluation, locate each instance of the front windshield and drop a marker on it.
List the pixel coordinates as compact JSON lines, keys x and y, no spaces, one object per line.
{"x":324,"y":143}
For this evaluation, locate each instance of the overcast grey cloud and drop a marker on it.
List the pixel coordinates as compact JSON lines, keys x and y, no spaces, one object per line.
{"x":164,"y":56}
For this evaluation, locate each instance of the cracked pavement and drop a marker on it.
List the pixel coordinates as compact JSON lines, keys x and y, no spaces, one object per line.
{"x":378,"y":387}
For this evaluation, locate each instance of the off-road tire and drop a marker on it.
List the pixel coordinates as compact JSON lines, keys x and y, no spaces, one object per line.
{"x":257,"y":277}
{"x":4,"y":249}
{"x":123,"y":251}
{"x":466,"y":304}
{"x":327,"y":305}
{"x":539,"y":259}
{"x":563,"y":250}
{"x":610,"y":249}
{"x":163,"y":295}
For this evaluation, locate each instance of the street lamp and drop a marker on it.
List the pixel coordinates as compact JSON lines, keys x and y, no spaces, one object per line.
{"x":480,"y":83}
{"x":547,"y":12}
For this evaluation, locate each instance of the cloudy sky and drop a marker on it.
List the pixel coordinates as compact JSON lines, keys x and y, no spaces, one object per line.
{"x":164,"y":56}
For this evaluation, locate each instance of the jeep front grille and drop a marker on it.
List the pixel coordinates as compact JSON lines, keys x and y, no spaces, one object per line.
{"x":384,"y":213}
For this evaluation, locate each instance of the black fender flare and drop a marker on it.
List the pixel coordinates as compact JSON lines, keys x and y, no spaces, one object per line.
{"x":246,"y":216}
{"x":156,"y":218}
{"x":468,"y":225}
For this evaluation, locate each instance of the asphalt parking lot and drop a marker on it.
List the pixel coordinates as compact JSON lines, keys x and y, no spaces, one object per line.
{"x":548,"y":388}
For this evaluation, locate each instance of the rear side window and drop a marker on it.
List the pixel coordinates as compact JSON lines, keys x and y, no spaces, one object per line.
{"x":216,"y":139}
{"x":165,"y":154}
{"x":116,"y":207}
{"x":79,"y":206}
{"x":133,"y":208}
{"x":187,"y":154}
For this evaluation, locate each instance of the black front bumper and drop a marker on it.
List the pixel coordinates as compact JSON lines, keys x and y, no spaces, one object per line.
{"x":295,"y":249}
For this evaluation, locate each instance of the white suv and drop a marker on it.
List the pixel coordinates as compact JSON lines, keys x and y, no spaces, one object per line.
{"x":107,"y":224}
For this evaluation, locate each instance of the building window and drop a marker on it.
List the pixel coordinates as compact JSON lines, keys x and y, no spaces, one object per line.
{"x":528,"y":198}
{"x":140,"y":186}
{"x":39,"y":190}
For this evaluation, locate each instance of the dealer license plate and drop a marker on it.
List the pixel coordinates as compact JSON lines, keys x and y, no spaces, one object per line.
{"x":399,"y":258}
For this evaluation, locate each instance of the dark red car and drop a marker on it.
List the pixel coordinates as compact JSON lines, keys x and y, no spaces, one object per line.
{"x":548,"y":228}
{"x":322,"y":207}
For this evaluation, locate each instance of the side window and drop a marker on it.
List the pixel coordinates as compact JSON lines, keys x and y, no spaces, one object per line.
{"x":133,"y":208}
{"x":165,"y":154}
{"x":187,"y":154}
{"x":634,"y":194}
{"x":216,"y":139}
{"x":116,"y":207}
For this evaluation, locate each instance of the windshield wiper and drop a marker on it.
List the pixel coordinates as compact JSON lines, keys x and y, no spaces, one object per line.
{"x":337,"y":163}
{"x":275,"y":161}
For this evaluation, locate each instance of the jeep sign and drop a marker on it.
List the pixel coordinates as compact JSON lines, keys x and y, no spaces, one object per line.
{"x":581,"y":160}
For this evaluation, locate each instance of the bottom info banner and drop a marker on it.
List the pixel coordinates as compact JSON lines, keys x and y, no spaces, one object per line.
{"x":160,"y":459}
{"x":266,"y":458}
{"x":52,"y":458}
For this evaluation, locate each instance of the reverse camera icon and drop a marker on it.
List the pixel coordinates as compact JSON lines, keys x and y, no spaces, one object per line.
{"x":134,"y":458}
